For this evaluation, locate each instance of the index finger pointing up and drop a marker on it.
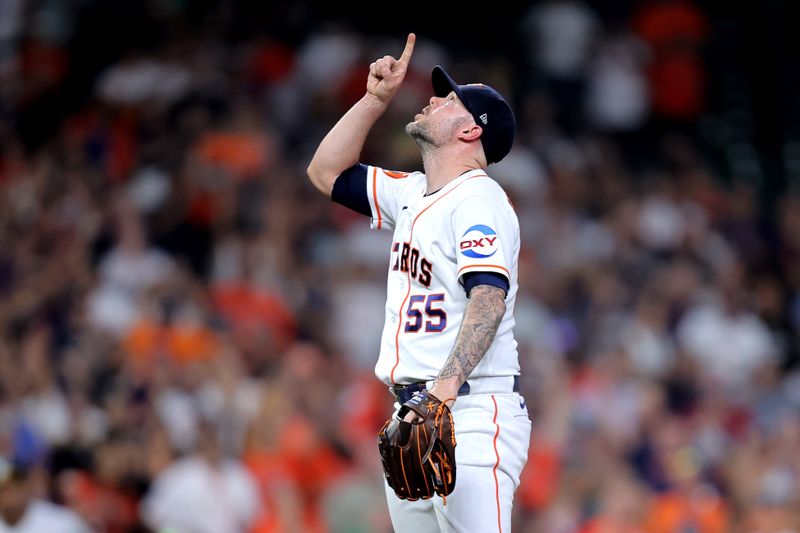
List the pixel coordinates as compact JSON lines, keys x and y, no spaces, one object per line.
{"x":409,"y":49}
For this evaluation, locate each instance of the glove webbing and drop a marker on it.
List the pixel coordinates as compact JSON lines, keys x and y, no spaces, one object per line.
{"x":439,"y":482}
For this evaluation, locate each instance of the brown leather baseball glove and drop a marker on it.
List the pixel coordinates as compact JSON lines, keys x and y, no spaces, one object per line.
{"x":419,"y":457}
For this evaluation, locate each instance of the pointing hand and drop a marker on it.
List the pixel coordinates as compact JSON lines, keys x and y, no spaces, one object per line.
{"x":387,"y":73}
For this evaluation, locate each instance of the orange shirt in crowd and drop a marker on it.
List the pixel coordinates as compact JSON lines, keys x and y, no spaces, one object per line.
{"x":305,"y":463}
{"x":539,"y":480}
{"x":106,"y":508}
{"x":182,"y":343}
{"x":673,"y":511}
{"x":245,"y":307}
{"x":674,"y":30}
{"x":243,"y":154}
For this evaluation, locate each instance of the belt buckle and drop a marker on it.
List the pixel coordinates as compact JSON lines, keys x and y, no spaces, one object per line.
{"x":403,"y":393}
{"x":397,"y":390}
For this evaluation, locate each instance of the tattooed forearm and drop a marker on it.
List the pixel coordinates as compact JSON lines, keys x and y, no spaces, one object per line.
{"x":485,"y":309}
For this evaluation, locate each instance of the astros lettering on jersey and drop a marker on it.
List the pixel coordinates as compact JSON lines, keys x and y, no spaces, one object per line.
{"x":467,"y":226}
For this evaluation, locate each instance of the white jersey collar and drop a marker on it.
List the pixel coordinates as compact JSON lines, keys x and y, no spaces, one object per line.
{"x":455,"y":181}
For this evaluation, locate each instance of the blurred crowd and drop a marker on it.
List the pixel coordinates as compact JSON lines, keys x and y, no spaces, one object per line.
{"x":188,"y":330}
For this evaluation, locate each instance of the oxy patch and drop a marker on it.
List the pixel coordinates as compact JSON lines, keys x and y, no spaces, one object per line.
{"x":479,"y":242}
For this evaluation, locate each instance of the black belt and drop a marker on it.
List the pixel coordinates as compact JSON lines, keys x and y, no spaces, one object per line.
{"x":403,"y":393}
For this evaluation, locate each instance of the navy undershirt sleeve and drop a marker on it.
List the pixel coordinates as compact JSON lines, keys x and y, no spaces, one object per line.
{"x":350,"y":189}
{"x":473,"y":279}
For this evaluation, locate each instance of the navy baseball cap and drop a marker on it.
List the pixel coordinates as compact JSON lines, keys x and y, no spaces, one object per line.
{"x":490,"y":110}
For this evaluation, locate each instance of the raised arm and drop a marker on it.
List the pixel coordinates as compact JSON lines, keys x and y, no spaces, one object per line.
{"x":341,"y":147}
{"x":482,"y":317}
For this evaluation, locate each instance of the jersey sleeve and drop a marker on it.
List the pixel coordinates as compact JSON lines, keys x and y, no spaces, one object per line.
{"x":485,"y":235}
{"x":385,"y":188}
{"x":372,"y":191}
{"x":350,"y":189}
{"x":470,"y":280}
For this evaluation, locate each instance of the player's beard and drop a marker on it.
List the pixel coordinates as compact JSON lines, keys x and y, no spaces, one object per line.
{"x":431,"y":136}
{"x":420,"y":132}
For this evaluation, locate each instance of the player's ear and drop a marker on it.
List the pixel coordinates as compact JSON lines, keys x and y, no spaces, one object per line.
{"x":470,"y":132}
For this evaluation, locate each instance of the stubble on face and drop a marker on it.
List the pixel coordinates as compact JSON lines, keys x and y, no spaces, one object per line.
{"x":429,"y":136}
{"x":420,"y":132}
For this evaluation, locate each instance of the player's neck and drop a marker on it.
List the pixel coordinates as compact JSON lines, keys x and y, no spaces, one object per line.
{"x":441,"y":169}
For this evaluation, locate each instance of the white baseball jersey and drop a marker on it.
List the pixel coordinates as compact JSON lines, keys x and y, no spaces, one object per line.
{"x":467,"y":226}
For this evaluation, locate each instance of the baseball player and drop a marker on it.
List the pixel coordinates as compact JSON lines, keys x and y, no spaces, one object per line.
{"x":452,"y":283}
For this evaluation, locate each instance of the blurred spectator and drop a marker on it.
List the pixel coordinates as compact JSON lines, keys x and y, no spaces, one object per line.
{"x":676,"y":31}
{"x":22,"y":512}
{"x":176,"y":336}
{"x":616,"y":96}
{"x":687,"y":500}
{"x":127,"y":271}
{"x":730,"y":343}
{"x":620,"y":508}
{"x":143,"y":80}
{"x":207,"y":480}
{"x":560,"y":35}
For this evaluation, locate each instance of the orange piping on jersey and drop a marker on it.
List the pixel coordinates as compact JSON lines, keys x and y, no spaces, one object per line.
{"x":504,"y":269}
{"x":496,"y":464}
{"x":408,"y":292}
{"x":400,"y":313}
{"x":375,"y":195}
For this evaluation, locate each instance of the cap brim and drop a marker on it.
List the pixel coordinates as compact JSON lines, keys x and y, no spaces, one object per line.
{"x":443,"y":85}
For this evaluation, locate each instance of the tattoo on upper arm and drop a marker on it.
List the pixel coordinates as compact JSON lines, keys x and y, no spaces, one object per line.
{"x":482,"y":317}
